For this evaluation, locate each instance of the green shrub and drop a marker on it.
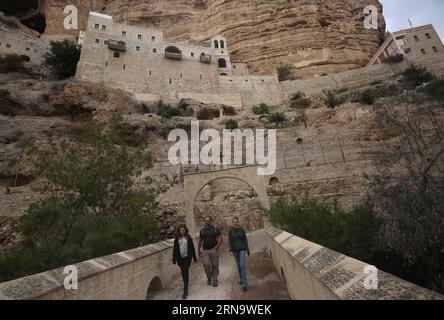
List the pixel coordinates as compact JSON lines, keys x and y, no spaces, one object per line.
{"x":435,"y":89}
{"x":96,"y":209}
{"x":285,"y":72}
{"x":11,"y":63}
{"x":277,"y":118}
{"x":376,"y":82}
{"x":341,"y":90}
{"x":62,"y":58}
{"x":367,"y":97}
{"x":167,"y":111}
{"x":414,"y":76}
{"x":261,"y":109}
{"x":229,"y":110}
{"x":207,"y":113}
{"x":231,"y":124}
{"x":331,"y":100}
{"x":353,"y":233}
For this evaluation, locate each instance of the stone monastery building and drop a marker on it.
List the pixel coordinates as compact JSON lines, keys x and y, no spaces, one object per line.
{"x":143,"y":62}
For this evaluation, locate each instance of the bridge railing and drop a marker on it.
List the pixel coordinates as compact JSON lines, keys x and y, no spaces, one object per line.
{"x":318,"y":273}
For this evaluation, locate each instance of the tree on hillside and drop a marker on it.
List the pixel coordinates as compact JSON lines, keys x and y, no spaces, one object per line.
{"x":407,"y":194}
{"x":285,"y":72}
{"x":92,"y":207}
{"x":62,"y":58}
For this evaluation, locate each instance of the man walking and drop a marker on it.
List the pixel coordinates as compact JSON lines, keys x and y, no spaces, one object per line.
{"x":210,"y":239}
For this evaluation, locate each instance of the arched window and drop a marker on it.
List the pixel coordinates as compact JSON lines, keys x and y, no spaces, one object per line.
{"x":222,"y":44}
{"x":216,"y":44}
{"x":173,"y":49}
{"x":173,"y":52}
{"x":222,"y":63}
{"x":273,"y":181}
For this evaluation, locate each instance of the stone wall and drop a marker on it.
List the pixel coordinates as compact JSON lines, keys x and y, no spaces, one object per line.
{"x":123,"y":275}
{"x":360,"y":77}
{"x":253,"y":89}
{"x":234,"y":100}
{"x":16,"y":42}
{"x":315,"y":272}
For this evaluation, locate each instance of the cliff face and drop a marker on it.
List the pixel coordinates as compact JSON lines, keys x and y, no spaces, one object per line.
{"x":317,"y":36}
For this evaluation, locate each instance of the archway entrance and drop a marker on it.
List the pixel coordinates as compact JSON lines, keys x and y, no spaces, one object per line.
{"x":225,"y":198}
{"x":196,"y":182}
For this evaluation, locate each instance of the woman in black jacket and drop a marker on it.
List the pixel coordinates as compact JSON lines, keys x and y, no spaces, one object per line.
{"x":183,"y":253}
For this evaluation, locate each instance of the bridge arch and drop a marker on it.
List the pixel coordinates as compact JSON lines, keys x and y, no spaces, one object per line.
{"x":194,"y":183}
{"x":154,"y":287}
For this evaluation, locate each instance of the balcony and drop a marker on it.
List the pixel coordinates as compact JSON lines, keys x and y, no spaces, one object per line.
{"x":205,"y":58}
{"x":117,"y":45}
{"x":173,"y":52}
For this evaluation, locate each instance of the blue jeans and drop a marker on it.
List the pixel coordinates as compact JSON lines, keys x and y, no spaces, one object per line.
{"x":240,"y":257}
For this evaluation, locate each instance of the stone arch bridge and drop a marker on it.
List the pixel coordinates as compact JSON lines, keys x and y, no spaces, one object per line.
{"x":306,"y":271}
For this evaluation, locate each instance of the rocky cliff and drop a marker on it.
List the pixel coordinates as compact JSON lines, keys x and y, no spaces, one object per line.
{"x":317,"y":36}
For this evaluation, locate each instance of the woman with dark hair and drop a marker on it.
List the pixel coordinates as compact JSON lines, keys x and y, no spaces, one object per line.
{"x":183,"y":253}
{"x":238,"y":244}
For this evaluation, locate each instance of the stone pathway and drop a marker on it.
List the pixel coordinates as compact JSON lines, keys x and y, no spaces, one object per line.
{"x":264,"y":282}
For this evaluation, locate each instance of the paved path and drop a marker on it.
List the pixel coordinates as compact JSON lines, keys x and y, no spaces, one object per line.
{"x":264,"y":282}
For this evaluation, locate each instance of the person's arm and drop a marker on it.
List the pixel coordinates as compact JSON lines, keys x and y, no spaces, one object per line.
{"x":199,"y":244}
{"x":193,"y":250}
{"x":219,"y":239}
{"x":246,"y":242}
{"x":174,"y":253}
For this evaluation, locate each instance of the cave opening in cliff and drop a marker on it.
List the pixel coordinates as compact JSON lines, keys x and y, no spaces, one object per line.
{"x":37,"y":23}
{"x":18,"y":7}
{"x":27,"y":11}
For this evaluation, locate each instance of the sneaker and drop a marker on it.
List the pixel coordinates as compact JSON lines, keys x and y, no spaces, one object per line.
{"x":209,"y":282}
{"x":215,"y":284}
{"x":244,"y":287}
{"x":185,"y":295}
